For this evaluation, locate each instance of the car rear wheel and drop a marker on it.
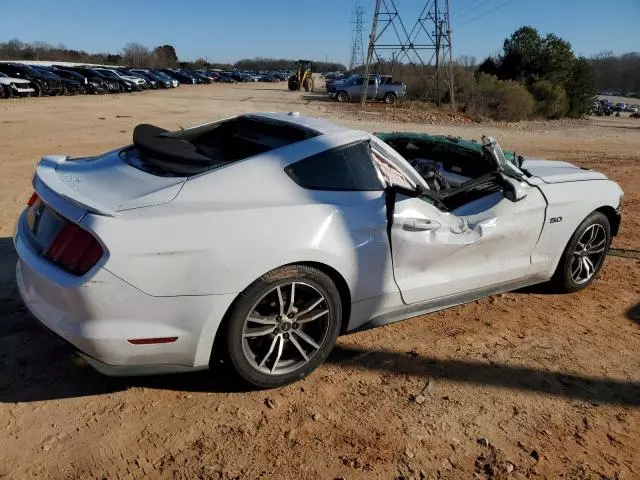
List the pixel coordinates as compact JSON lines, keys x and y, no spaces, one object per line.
{"x":584,"y":255}
{"x":283,"y":326}
{"x":389,"y":99}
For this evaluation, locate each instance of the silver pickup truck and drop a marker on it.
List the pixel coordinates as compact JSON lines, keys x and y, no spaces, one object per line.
{"x":380,"y":88}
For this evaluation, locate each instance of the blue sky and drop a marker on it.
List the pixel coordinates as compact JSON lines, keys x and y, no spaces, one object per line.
{"x":225,"y":31}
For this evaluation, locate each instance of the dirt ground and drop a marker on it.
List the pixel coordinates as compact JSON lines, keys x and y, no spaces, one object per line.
{"x":522,"y":385}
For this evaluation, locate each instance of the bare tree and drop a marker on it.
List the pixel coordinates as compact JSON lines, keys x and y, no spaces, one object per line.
{"x":136,"y":55}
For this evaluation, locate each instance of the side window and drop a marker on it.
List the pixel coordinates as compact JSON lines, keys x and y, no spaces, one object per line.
{"x":347,"y":168}
{"x":358,"y":81}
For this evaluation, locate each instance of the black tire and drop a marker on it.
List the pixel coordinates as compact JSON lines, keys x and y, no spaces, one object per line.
{"x":390,"y":99}
{"x":248,"y":300}
{"x":37,"y":89}
{"x":562,"y":279}
{"x":342,"y":97}
{"x":293,"y":84}
{"x":5,"y":91}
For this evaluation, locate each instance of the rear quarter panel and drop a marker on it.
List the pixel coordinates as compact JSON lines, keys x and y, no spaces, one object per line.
{"x":231,"y":226}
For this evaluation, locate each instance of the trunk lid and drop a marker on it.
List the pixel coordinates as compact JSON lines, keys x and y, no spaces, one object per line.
{"x":105,"y":184}
{"x":553,"y":171}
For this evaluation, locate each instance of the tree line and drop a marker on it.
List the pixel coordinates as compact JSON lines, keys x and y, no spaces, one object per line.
{"x":138,"y":55}
{"x":618,"y":73}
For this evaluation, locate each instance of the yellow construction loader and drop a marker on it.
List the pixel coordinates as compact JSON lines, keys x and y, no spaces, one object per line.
{"x":302,"y":78}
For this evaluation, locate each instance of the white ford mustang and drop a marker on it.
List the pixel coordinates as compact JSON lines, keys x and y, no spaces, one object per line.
{"x":262,"y":237}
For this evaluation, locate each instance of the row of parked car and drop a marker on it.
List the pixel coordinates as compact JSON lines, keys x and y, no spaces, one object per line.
{"x":21,"y":80}
{"x":604,"y":107}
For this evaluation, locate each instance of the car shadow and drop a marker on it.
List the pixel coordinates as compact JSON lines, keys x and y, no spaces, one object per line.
{"x":317,"y":97}
{"x":595,"y":390}
{"x":38,"y":366}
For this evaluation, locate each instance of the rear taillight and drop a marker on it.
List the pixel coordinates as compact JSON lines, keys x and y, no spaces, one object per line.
{"x":32,"y":199}
{"x":74,"y":249}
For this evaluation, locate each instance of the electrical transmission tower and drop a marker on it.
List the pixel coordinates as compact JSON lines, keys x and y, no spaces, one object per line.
{"x":426,"y":46}
{"x":357,"y":46}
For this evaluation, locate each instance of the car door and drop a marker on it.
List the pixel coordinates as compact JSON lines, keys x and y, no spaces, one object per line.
{"x":355,"y":88}
{"x":483,"y":243}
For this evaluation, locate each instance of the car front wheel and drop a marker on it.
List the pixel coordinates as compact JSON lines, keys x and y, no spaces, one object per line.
{"x":283,"y":326}
{"x":584,"y":255}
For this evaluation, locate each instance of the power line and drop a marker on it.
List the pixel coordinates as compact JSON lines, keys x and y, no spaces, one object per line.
{"x":502,"y":5}
{"x":466,"y":14}
{"x":466,"y":6}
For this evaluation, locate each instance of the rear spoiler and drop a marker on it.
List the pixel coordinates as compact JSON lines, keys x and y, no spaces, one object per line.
{"x":58,"y":191}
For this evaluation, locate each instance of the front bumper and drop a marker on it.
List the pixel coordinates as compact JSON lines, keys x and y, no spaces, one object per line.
{"x":22,"y":92}
{"x":99,"y":313}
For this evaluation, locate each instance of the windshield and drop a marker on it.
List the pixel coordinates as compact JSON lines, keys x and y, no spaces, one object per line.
{"x":108,"y":73}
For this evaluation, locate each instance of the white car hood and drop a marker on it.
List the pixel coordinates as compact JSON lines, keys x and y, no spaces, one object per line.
{"x":106,"y":183}
{"x":552,"y":171}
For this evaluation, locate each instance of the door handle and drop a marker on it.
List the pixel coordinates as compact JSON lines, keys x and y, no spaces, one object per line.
{"x":420,"y":225}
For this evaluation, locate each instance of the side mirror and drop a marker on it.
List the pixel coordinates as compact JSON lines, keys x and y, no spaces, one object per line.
{"x":514,"y":190}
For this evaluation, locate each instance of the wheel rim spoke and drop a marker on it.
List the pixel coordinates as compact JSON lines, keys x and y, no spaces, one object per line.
{"x":306,"y":338}
{"x":299,"y":347}
{"x":262,"y":320}
{"x":292,"y":299}
{"x":576,"y":272}
{"x":259,"y":332}
{"x":280,"y":301}
{"x":273,"y":344}
{"x":589,"y":264}
{"x":311,"y":307}
{"x":597,"y":248}
{"x":312,"y":318}
{"x":280,"y":346}
{"x":592,"y":234}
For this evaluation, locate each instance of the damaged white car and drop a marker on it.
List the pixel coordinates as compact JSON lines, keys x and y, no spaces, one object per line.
{"x":261,"y":238}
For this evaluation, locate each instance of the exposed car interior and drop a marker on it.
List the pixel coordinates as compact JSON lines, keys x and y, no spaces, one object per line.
{"x":456,"y":171}
{"x":196,"y":150}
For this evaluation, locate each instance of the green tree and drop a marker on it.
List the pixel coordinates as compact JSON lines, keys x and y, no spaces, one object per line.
{"x":580,"y":88}
{"x":522,"y":55}
{"x":165,"y":56}
{"x":561,"y":83}
{"x":556,"y":60}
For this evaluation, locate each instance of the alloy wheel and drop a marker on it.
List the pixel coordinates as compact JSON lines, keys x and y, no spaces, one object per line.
{"x":589,"y":253}
{"x":286,"y":328}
